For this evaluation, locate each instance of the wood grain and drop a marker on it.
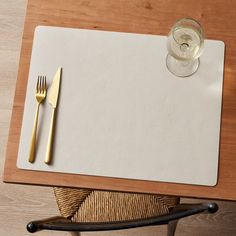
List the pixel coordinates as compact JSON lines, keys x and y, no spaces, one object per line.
{"x":20,"y":204}
{"x":151,"y":17}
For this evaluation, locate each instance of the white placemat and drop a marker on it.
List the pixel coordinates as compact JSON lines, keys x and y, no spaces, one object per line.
{"x":121,"y":112}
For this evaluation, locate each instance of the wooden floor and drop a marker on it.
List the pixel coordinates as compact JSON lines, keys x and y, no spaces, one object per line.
{"x":20,"y":204}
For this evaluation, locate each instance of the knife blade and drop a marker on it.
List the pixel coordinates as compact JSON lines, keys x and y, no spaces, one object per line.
{"x":55,"y":87}
{"x":53,"y":100}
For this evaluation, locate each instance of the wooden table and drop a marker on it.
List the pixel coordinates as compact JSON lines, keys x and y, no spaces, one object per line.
{"x":149,"y":17}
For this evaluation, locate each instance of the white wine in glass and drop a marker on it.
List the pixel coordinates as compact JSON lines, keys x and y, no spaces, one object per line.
{"x":185,"y":45}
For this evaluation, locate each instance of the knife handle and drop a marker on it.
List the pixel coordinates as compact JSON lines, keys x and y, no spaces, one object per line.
{"x":48,"y":157}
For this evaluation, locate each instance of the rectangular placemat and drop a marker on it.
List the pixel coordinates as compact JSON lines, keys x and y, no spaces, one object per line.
{"x":121,"y":113}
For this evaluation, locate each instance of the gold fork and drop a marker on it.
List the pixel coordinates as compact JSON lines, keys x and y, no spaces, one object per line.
{"x":41,"y":90}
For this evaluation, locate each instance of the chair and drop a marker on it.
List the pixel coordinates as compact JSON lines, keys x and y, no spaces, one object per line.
{"x":92,"y":210}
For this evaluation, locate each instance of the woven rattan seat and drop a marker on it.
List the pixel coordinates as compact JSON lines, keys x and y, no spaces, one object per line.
{"x":86,"y":210}
{"x":81,"y":205}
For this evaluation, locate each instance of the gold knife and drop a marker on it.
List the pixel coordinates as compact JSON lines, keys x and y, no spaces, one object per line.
{"x":53,"y":100}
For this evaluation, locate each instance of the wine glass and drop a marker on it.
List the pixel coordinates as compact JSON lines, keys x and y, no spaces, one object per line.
{"x":185,"y":45}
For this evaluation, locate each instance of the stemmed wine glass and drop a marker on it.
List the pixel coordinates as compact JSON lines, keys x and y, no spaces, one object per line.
{"x":185,"y":45}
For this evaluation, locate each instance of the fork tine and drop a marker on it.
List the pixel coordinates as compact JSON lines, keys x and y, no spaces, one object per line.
{"x":45,"y":85}
{"x":37,"y":85}
{"x":41,"y":84}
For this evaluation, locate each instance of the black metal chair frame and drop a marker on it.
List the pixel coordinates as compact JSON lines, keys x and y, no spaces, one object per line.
{"x":180,"y":211}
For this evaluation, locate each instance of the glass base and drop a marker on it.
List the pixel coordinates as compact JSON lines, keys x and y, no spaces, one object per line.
{"x":181,"y":68}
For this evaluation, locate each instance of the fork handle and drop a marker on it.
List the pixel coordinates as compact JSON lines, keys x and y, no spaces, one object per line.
{"x":33,"y":137}
{"x":50,"y":139}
